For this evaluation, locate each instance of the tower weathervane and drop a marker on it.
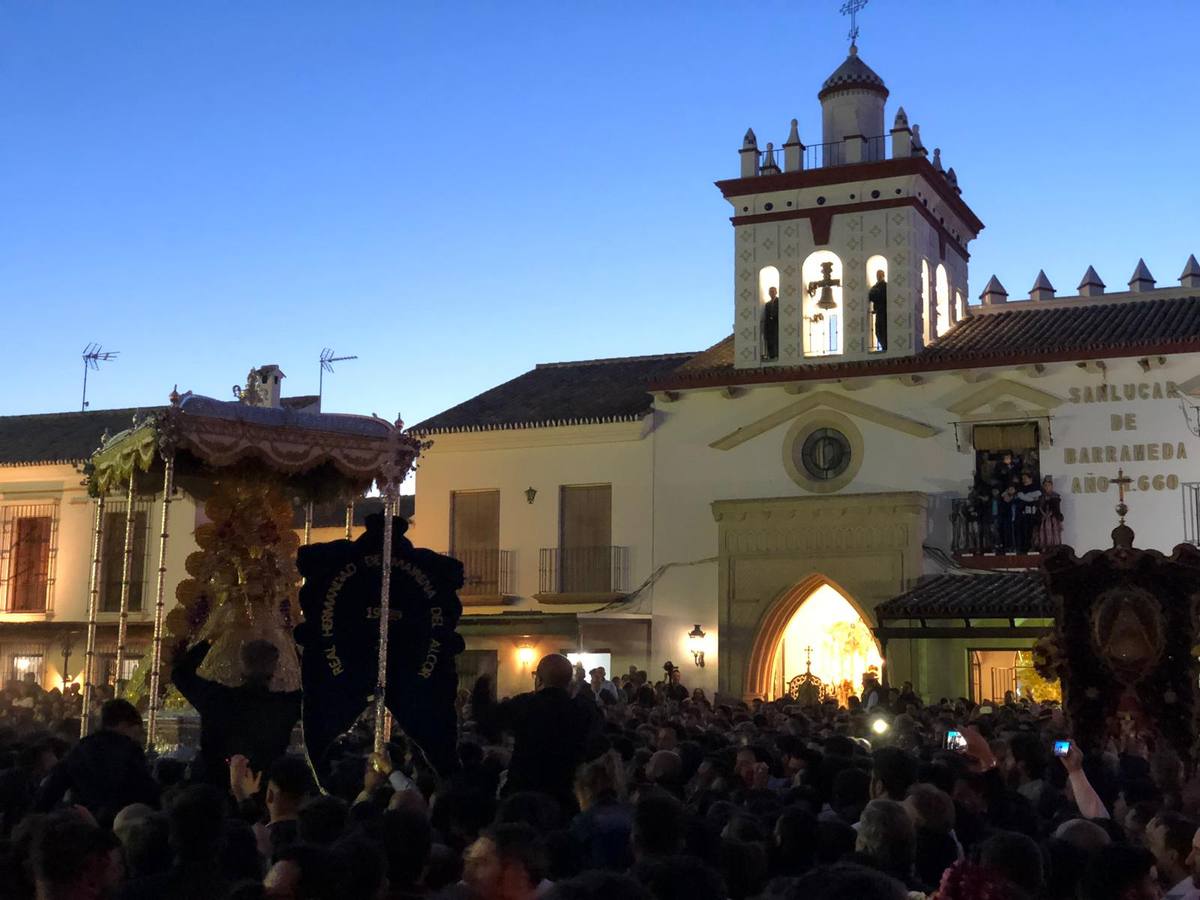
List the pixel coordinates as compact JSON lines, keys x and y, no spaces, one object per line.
{"x":850,"y":8}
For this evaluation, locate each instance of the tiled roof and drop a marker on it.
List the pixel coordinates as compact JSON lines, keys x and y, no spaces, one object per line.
{"x":995,"y":596}
{"x":70,"y":437}
{"x":567,"y":393}
{"x":1033,"y":333}
{"x":59,"y":437}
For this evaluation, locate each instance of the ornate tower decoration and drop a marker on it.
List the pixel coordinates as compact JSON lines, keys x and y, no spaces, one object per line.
{"x":866,"y":212}
{"x":1124,"y":639}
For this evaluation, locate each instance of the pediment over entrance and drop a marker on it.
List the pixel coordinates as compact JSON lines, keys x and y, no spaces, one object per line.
{"x":825,"y":400}
{"x":1003,"y":397}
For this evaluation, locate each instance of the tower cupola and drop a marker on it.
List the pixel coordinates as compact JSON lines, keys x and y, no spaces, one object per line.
{"x":852,"y":100}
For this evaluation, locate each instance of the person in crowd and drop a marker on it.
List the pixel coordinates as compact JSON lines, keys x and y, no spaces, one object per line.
{"x":601,"y":687}
{"x":249,"y":720}
{"x":107,"y":770}
{"x":507,"y":862}
{"x":1050,"y":510}
{"x":74,"y":859}
{"x":551,"y":730}
{"x":1028,"y":512}
{"x":1188,"y":887}
{"x":289,"y":783}
{"x":19,"y":784}
{"x":1121,"y":872}
{"x":1169,"y":837}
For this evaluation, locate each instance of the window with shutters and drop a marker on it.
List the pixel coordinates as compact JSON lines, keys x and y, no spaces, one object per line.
{"x":585,"y":551}
{"x":112,"y":556}
{"x":28,"y":537}
{"x":475,"y":542}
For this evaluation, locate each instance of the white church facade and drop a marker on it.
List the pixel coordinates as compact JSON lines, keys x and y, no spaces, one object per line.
{"x":817,"y":487}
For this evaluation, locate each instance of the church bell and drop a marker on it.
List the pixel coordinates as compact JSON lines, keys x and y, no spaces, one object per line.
{"x":827,"y":301}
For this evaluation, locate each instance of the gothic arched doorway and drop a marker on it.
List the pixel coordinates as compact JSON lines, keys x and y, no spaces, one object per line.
{"x":813,"y":624}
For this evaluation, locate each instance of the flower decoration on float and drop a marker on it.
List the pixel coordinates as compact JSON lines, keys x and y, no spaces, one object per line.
{"x":243,"y":579}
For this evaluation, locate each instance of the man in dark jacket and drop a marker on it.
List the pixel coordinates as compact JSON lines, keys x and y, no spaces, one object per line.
{"x":551,"y":731}
{"x":250,"y":719}
{"x":107,"y":770}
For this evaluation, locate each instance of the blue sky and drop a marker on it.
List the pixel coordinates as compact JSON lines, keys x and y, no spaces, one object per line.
{"x":454,"y":192}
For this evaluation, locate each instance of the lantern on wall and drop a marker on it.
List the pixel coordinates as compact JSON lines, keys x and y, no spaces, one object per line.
{"x":696,"y":644}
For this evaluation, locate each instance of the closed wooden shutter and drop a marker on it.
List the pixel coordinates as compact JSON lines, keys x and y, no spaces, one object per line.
{"x":585,"y":538}
{"x":475,"y":539}
{"x":112,"y":560}
{"x":1016,"y":437}
{"x":30,"y":578}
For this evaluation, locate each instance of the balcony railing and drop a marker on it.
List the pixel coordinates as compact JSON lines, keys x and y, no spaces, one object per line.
{"x":827,"y":155}
{"x":488,"y":572}
{"x":583,"y":570}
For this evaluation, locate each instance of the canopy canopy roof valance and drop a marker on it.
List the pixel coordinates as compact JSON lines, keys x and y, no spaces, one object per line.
{"x":318,"y":455}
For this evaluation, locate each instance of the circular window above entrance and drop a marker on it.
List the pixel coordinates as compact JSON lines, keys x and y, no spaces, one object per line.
{"x":823,"y":452}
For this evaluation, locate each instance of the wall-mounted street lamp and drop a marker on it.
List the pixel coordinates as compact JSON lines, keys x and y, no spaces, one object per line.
{"x":530,"y":494}
{"x":525,"y":654}
{"x":696,"y":645}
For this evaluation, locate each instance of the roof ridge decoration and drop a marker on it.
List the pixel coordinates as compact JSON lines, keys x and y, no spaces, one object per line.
{"x":1091,"y":284}
{"x":1141,"y":280}
{"x":1042,"y":288}
{"x":1191,"y":273}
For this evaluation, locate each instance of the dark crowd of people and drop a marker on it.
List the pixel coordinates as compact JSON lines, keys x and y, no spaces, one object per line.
{"x":590,"y":788}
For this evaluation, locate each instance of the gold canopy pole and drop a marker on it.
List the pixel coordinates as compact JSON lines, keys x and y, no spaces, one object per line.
{"x":385,"y":597}
{"x":126,"y":584}
{"x":350,"y":519}
{"x":308,"y":520}
{"x":89,"y":664}
{"x":159,"y":606}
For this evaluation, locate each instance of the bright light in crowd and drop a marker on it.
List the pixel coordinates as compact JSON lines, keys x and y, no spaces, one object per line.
{"x":880,"y":726}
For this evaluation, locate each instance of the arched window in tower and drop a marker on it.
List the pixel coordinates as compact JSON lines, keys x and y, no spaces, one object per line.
{"x":943,"y":301}
{"x":959,"y":306}
{"x":877,"y":303}
{"x":927,"y":311}
{"x":823,"y":309}
{"x":768,"y":313}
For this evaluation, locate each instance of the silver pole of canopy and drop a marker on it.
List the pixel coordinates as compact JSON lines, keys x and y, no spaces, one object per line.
{"x":89,"y":659}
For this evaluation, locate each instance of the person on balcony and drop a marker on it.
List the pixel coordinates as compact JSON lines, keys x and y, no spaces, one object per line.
{"x":1050,"y":508}
{"x":1029,"y":499}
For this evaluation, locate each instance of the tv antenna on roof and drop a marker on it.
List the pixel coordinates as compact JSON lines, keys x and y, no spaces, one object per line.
{"x":327,"y":361}
{"x":850,"y":8}
{"x":93,"y":355}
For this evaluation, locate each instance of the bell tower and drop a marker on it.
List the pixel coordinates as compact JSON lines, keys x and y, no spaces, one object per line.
{"x":851,"y":249}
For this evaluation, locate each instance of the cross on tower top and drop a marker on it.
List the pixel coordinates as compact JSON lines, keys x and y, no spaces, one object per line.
{"x":850,"y":8}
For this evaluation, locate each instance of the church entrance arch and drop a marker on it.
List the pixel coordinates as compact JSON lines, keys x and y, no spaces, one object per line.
{"x":814,"y":628}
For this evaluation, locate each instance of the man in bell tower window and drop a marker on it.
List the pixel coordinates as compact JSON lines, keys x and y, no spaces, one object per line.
{"x":770,"y":325}
{"x":878,"y":300}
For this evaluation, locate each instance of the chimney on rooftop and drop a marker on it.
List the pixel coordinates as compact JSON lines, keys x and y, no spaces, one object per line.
{"x":263,"y":387}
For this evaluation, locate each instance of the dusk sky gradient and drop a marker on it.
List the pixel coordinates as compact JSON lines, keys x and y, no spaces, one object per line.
{"x":457,"y":191}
